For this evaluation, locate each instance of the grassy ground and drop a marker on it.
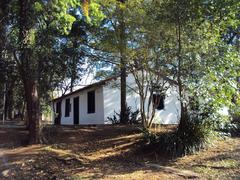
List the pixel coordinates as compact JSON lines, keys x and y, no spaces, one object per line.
{"x":221,"y":161}
{"x":109,"y":152}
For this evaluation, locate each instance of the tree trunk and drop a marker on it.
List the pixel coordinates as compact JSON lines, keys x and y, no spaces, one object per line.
{"x":73,"y":65}
{"x":3,"y":36}
{"x":9,"y":98}
{"x":123,"y":74}
{"x":31,"y":96}
{"x":4,"y":103}
{"x":33,"y":112}
{"x":23,"y":112}
{"x":28,"y":70}
{"x":123,"y":96}
{"x":183,"y":110}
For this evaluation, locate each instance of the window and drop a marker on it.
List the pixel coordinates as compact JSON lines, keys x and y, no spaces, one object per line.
{"x":158,"y":101}
{"x":91,"y":102}
{"x":67,"y":107}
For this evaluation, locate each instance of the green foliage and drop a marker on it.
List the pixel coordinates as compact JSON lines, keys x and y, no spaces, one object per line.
{"x":195,"y":132}
{"x":48,"y":32}
{"x":132,"y":117}
{"x":149,"y":137}
{"x":231,"y":129}
{"x":96,"y":15}
{"x":175,"y":143}
{"x":209,"y":63}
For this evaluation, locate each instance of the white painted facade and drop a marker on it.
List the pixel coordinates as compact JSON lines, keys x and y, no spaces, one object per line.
{"x":107,"y":100}
{"x":169,"y":115}
{"x":84,"y":117}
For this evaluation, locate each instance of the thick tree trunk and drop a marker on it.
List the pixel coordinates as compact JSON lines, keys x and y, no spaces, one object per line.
{"x":28,"y":71}
{"x":33,"y":112}
{"x":31,"y":96}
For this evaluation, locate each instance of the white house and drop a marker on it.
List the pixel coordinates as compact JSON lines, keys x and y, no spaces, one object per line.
{"x":93,"y":104}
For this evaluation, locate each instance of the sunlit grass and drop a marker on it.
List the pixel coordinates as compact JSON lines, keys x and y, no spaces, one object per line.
{"x":59,"y":152}
{"x":206,"y":171}
{"x":226,"y":163}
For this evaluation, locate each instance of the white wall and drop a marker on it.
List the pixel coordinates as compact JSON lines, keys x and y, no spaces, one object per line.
{"x":84,"y":117}
{"x":98,"y":116}
{"x":171,"y":112}
{"x":111,"y":101}
{"x":67,"y":120}
{"x":107,"y":100}
{"x":112,"y":98}
{"x":111,"y":92}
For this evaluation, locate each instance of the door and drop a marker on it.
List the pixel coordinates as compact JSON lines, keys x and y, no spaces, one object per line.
{"x":76,"y":110}
{"x":58,"y":113}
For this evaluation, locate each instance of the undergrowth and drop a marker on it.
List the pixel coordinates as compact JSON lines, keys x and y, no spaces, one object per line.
{"x":194,"y":136}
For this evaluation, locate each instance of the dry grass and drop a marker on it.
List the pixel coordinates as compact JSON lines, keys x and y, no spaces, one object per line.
{"x":112,"y":152}
{"x":221,"y":161}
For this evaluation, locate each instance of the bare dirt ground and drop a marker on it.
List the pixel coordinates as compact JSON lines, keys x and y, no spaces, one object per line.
{"x":109,"y":152}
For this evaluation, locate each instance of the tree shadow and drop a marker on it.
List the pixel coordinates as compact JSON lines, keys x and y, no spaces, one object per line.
{"x":13,"y":137}
{"x":111,"y":149}
{"x":108,"y":150}
{"x":93,"y":139}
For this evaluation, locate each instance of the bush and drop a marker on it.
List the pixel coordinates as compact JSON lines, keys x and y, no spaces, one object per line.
{"x":177,"y":144}
{"x":149,"y":137}
{"x":132,"y":117}
{"x":231,"y":129}
{"x":194,"y":136}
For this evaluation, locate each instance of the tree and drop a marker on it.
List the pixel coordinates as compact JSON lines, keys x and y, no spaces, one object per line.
{"x":43,"y":25}
{"x":7,"y":64}
{"x":34,"y":19}
{"x":123,"y":70}
{"x":28,"y":68}
{"x":178,"y":32}
{"x":111,"y":39}
{"x":199,"y":55}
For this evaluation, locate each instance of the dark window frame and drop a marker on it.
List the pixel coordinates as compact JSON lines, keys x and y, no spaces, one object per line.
{"x":158,"y":101}
{"x":67,"y":107}
{"x":91,"y":102}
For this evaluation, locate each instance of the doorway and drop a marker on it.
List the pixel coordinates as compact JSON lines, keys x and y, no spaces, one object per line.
{"x":76,"y":110}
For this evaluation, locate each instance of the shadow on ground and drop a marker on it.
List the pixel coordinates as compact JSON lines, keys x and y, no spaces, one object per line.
{"x":101,"y":152}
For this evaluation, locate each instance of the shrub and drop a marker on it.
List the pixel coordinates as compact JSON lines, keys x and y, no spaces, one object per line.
{"x":194,"y":136}
{"x":115,"y":119}
{"x":149,"y":137}
{"x":132,"y":117}
{"x":231,"y":129}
